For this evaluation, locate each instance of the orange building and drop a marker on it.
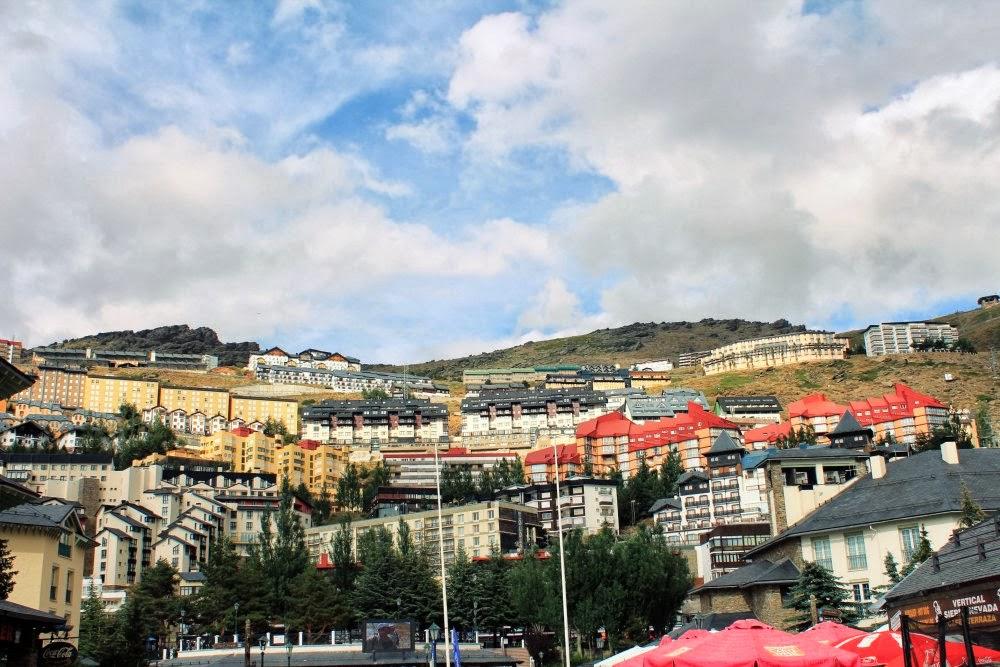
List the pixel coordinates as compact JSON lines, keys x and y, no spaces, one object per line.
{"x":541,"y":463}
{"x":692,"y":432}
{"x":602,"y":440}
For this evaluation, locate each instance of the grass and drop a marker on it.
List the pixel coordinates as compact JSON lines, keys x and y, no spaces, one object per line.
{"x":805,"y":380}
{"x":732,"y":381}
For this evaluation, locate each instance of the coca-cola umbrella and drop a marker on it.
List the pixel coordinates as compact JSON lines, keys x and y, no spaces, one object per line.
{"x":750,"y":643}
{"x":831,"y":633}
{"x":884,"y":647}
{"x":954,"y":656}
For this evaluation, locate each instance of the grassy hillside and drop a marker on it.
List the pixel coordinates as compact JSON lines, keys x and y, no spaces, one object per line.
{"x":623,"y":345}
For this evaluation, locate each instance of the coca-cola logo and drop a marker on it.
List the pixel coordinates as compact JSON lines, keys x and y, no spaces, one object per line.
{"x":59,"y":654}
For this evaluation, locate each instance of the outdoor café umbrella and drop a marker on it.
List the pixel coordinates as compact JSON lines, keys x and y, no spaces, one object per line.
{"x":831,"y":633}
{"x":881,"y":648}
{"x":955,"y":656}
{"x":750,"y":643}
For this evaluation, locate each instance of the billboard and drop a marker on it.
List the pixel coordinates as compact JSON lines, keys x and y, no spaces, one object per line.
{"x":386,"y":635}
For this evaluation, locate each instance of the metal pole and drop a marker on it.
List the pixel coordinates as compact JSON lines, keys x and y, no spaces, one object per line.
{"x":942,"y":630}
{"x":562,"y":556}
{"x":970,"y":657}
{"x":444,"y":574}
{"x":907,"y":644}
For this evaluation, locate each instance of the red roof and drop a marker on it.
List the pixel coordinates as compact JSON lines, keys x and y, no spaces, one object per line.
{"x":455,"y":452}
{"x":242,"y":431}
{"x":890,"y":407}
{"x":611,"y":425}
{"x":684,"y":426}
{"x":324,"y":562}
{"x":769,"y":434}
{"x":545,"y":456}
{"x":815,"y":405}
{"x":309,"y":444}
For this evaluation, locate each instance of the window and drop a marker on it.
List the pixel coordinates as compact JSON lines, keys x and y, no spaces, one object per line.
{"x":69,"y":587}
{"x":249,"y":526}
{"x":862,"y":592}
{"x":54,"y":583}
{"x":857,"y":559}
{"x":821,"y":552}
{"x":910,"y":539}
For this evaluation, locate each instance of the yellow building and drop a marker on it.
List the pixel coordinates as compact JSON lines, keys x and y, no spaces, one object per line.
{"x":48,"y":544}
{"x":209,"y":402}
{"x":771,"y":351}
{"x":107,"y":393}
{"x":311,"y":463}
{"x":251,"y":409}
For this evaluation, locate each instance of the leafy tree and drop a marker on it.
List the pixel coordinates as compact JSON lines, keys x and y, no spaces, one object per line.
{"x":127,"y":644}
{"x":374,"y":394}
{"x":137,"y":440}
{"x":372,"y":479}
{"x":829,"y":591}
{"x":273,"y":427}
{"x":963,"y":345}
{"x":972,"y":513}
{"x":7,"y":571}
{"x":279,"y":555}
{"x":94,"y":439}
{"x":951,"y":431}
{"x":920,"y":554}
{"x":656,"y":578}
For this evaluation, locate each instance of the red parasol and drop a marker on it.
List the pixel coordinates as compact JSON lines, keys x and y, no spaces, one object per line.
{"x":881,"y":648}
{"x":955,"y":656}
{"x":750,"y":644}
{"x":831,"y":633}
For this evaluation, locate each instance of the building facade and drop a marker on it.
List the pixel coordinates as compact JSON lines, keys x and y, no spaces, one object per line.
{"x":906,"y":337}
{"x":375,"y":421}
{"x":587,"y":503}
{"x":553,"y":413}
{"x":771,"y":351}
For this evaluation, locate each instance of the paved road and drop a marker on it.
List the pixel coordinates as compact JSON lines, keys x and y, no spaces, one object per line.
{"x":277,"y":657}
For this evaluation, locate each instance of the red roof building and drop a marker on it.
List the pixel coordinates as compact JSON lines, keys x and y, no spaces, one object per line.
{"x":691,"y":434}
{"x":766,"y":436}
{"x":541,"y":463}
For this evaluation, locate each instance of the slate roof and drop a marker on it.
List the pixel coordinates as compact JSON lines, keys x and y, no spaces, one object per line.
{"x":957,"y":563}
{"x":758,"y":573}
{"x":12,"y":380}
{"x":916,"y":486}
{"x":692,"y":474}
{"x":642,"y":407}
{"x":193,"y":576}
{"x":756,"y":459}
{"x":848,"y":424}
{"x":42,"y":516}
{"x":664,"y":503}
{"x":10,"y":609}
{"x":119,"y":533}
{"x":748,"y":404}
{"x":725,"y":443}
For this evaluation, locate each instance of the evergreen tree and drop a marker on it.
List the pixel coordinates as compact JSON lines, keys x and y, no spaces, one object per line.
{"x":279,"y":555}
{"x":373,"y":478}
{"x":127,"y":644}
{"x":95,"y":628}
{"x":341,"y":553}
{"x":972,"y":513}
{"x":317,"y":606}
{"x":7,"y":571}
{"x":920,"y":554}
{"x":349,"y":489}
{"x":322,"y":507}
{"x":155,"y":600}
{"x":273,"y":427}
{"x":670,"y":472}
{"x":224,"y":586}
{"x":891,"y":569}
{"x":829,"y":591}
{"x":462,"y":591}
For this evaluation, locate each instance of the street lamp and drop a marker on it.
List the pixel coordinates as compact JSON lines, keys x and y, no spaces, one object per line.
{"x":288,"y":652}
{"x":435,"y":630}
{"x":236,"y":623}
{"x":263,"y":643}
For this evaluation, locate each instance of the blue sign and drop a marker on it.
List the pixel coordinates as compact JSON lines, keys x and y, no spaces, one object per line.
{"x":454,"y":644}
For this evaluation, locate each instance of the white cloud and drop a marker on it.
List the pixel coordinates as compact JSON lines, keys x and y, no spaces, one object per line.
{"x":775,"y":170}
{"x":239,"y":53}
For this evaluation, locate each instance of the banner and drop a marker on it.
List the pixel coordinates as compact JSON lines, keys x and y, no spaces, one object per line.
{"x":983,"y":604}
{"x":454,"y":644}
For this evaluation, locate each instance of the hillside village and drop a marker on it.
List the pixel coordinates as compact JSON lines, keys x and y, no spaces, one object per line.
{"x":758,"y":451}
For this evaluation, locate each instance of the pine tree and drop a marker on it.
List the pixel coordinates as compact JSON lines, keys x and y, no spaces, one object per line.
{"x":972,"y":513}
{"x":920,"y":554}
{"x":670,"y":472}
{"x":891,"y":569}
{"x":224,"y":587}
{"x":815,"y":579}
{"x":341,"y":553}
{"x":317,"y":606}
{"x":7,"y":571}
{"x":322,"y":507}
{"x":280,"y":555}
{"x":95,"y":628}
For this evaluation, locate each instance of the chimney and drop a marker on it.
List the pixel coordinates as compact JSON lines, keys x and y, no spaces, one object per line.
{"x":877,"y":464}
{"x":949,"y":453}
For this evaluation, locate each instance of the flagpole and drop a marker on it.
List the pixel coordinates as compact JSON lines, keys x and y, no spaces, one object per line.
{"x":444,"y":574}
{"x":562,"y":556}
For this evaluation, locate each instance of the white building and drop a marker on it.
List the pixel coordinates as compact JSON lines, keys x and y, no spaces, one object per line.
{"x":377,"y":420}
{"x":587,"y":503}
{"x":546,"y":412}
{"x":906,"y":337}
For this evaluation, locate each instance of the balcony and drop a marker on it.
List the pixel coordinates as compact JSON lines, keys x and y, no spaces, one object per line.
{"x":857,"y":562}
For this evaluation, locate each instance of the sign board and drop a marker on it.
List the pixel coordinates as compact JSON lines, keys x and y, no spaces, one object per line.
{"x":58,"y":654}
{"x":983,"y":604}
{"x":387,"y":635}
{"x":896,"y":621}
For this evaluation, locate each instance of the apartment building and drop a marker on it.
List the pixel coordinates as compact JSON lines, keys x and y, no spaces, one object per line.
{"x":904,"y":413}
{"x":691,"y":433}
{"x":522,"y":376}
{"x":56,"y":384}
{"x":251,"y":409}
{"x":341,"y":380}
{"x":647,"y":379}
{"x":310,"y":358}
{"x":385,"y":421}
{"x":190,"y":400}
{"x":749,"y":411}
{"x":642,"y":409}
{"x":10,"y":350}
{"x":543,"y":465}
{"x":48,"y":542}
{"x":478,"y":529}
{"x":107,"y":393}
{"x":906,"y":337}
{"x":685,"y":359}
{"x":419,"y":468}
{"x":587,"y":503}
{"x":551,"y":413}
{"x":771,"y":351}
{"x":123,"y":358}
{"x":36,"y":470}
{"x":886,"y":512}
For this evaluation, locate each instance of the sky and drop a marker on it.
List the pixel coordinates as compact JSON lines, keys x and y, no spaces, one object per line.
{"x":403,"y":181}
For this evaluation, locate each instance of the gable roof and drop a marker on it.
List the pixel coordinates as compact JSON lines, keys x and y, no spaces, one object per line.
{"x":692,"y":474}
{"x":665,"y":503}
{"x":801,"y":453}
{"x":848,"y":424}
{"x":748,"y":404}
{"x":38,"y":515}
{"x":758,"y":573}
{"x":724,"y":444}
{"x":958,"y":562}
{"x":913,"y":487}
